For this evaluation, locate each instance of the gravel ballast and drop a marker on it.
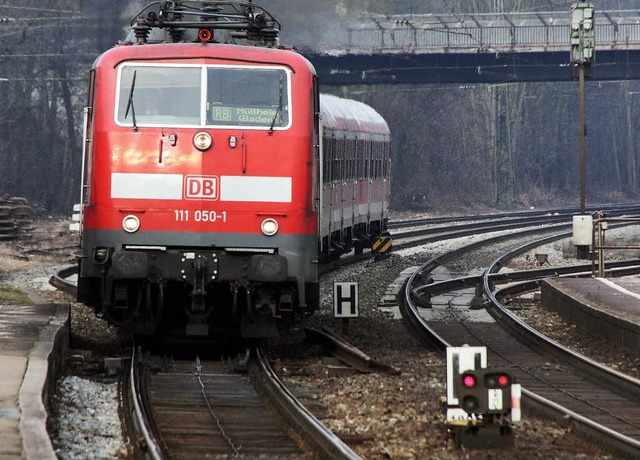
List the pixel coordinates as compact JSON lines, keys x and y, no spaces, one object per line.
{"x":382,"y":416}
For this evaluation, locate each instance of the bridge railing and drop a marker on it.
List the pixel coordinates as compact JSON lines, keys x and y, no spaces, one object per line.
{"x":488,"y":32}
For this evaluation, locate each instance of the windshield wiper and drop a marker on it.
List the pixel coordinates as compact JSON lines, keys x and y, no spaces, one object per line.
{"x":279,"y":109}
{"x":130,"y":102}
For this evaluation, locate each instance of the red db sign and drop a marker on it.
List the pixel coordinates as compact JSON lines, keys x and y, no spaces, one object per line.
{"x":201,"y":187}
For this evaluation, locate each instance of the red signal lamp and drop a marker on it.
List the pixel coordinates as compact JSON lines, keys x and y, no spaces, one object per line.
{"x":469,"y":380}
{"x":484,"y":390}
{"x":497,"y":380}
{"x":204,"y":35}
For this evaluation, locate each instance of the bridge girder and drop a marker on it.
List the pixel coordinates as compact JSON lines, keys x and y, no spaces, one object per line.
{"x":479,"y":67}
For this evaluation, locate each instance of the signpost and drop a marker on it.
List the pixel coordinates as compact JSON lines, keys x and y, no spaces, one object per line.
{"x":345,"y":302}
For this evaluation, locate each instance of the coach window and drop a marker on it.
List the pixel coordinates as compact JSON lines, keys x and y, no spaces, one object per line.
{"x":247,"y":97}
{"x":367,"y":156}
{"x":362,"y":145}
{"x":354,"y":154}
{"x":337,"y":160}
{"x":328,"y":157}
{"x":387,"y":161}
{"x":356,"y":163}
{"x":346,"y":158}
{"x":159,"y":95}
{"x":352,"y":159}
{"x":374,"y":160}
{"x":362,"y":160}
{"x":371,"y":161}
{"x":342,"y":155}
{"x":349,"y":159}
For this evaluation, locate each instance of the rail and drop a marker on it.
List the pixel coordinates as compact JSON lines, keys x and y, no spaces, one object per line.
{"x":324,"y":440}
{"x":153,"y":413}
{"x":142,"y":421}
{"x":606,"y":436}
{"x":619,"y":443}
{"x":60,"y":280}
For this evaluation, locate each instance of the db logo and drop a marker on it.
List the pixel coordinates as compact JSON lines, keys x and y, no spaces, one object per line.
{"x":201,"y":187}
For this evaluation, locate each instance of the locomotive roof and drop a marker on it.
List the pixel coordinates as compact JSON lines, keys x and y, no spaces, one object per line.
{"x":193,"y":51}
{"x":228,"y":21}
{"x":349,"y":115}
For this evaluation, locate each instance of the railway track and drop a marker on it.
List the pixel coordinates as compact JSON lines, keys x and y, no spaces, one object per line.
{"x":192,"y":408}
{"x":566,"y":213}
{"x":598,"y":402}
{"x":419,"y":232}
{"x":472,"y":281}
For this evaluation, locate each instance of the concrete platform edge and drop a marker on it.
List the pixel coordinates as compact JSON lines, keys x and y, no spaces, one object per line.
{"x":46,"y":361}
{"x":575,"y":307}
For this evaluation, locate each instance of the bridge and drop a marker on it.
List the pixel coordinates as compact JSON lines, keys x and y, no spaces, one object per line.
{"x":483,"y":48}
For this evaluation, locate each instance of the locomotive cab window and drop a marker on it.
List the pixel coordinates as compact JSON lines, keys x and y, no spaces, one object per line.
{"x":185,"y":96}
{"x":154,"y":95}
{"x":247,"y":97}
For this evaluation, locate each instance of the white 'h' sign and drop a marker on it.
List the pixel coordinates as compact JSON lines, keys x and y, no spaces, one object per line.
{"x":345,"y":300}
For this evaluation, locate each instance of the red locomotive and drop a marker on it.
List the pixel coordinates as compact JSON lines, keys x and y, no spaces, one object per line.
{"x":210,"y":192}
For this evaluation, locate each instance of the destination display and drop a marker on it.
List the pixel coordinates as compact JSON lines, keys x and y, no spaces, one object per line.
{"x":245,"y":115}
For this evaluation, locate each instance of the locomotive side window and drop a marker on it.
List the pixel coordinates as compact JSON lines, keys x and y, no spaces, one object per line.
{"x":197,"y":95}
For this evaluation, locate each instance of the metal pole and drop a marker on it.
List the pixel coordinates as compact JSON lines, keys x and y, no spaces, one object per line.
{"x":582,"y":142}
{"x":494,"y":135}
{"x":601,"y":250}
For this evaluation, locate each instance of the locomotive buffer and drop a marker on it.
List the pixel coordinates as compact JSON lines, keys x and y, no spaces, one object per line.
{"x":482,"y":402}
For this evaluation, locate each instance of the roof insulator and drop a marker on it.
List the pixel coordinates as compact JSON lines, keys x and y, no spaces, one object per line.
{"x":177,"y":33}
{"x":141,"y":31}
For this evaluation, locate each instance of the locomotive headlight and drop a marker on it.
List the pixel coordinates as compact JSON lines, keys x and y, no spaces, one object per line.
{"x":130,"y":224}
{"x":202,"y":141}
{"x":269,"y":227}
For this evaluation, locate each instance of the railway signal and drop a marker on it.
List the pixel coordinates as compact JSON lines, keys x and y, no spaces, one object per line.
{"x":582,"y":39}
{"x":482,"y":402}
{"x":582,"y":36}
{"x":485,"y":391}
